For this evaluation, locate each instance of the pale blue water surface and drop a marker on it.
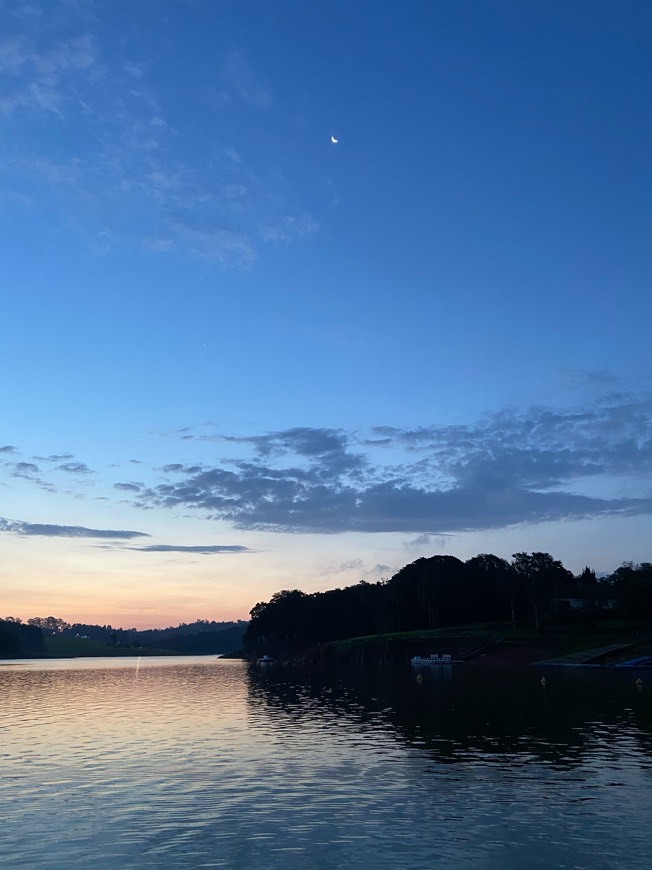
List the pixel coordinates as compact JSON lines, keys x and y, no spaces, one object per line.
{"x":201,"y":762}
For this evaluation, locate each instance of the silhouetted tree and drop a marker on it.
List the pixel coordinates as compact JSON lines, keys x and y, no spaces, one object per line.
{"x":587,"y":577}
{"x":49,"y":624}
{"x":633,"y":586}
{"x":542,"y":577}
{"x":17,"y":639}
{"x":496,"y":578}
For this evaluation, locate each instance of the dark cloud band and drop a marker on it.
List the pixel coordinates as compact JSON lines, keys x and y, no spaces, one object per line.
{"x":211,"y":550}
{"x":54,"y":531}
{"x":508,"y":468}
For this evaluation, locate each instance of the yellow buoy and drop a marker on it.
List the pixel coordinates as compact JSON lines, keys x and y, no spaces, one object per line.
{"x":639,"y":683}
{"x":419,"y":678}
{"x":544,"y":682}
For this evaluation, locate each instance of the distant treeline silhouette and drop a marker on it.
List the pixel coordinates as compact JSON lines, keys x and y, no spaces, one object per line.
{"x":531,"y":589}
{"x":200,"y":637}
{"x":20,"y":640}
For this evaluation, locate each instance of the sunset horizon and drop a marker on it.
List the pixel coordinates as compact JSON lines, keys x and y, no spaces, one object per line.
{"x":297,"y":294}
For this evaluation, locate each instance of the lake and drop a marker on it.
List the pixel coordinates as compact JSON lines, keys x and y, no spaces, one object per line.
{"x":201,"y":762}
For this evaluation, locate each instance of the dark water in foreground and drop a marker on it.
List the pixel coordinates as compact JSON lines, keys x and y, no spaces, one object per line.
{"x":189,"y":763}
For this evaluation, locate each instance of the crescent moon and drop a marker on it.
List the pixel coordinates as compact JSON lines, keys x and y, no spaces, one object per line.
{"x":334,"y":140}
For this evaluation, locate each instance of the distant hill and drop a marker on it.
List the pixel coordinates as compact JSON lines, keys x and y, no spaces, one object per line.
{"x":222,"y":641}
{"x":202,"y":637}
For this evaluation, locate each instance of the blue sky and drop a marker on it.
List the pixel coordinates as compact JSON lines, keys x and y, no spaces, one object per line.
{"x":240,"y":357}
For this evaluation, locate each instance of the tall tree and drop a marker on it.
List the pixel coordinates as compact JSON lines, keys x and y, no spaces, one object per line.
{"x":542,"y":577}
{"x":496,"y":577}
{"x":633,"y":585}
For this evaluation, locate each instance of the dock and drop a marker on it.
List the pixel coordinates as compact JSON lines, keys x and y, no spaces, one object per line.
{"x":586,"y":657}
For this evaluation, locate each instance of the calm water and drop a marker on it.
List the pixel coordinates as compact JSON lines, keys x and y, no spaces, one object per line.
{"x":206,"y":763}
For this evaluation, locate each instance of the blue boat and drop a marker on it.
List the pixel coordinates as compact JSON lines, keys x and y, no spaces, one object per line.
{"x":434,"y":659}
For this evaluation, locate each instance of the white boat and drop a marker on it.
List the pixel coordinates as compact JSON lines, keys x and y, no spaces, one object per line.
{"x":266,"y":660}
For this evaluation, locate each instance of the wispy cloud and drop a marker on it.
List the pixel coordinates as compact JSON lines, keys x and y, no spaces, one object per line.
{"x":75,"y":468}
{"x":132,"y":183}
{"x":38,"y":80}
{"x":128,"y":487}
{"x":210,"y":550}
{"x":40,"y":474}
{"x":17,"y":527}
{"x":381,"y":569}
{"x":240,"y":76}
{"x":55,"y":457}
{"x":426,"y":540}
{"x":506,"y":469}
{"x":25,"y":469}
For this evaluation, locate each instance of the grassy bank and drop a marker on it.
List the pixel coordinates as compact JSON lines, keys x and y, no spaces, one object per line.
{"x":486,"y":642}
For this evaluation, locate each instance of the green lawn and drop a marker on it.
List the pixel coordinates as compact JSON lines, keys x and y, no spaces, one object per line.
{"x":568,"y":638}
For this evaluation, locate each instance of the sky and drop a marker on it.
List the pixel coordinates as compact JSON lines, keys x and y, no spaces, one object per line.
{"x":240,"y":357}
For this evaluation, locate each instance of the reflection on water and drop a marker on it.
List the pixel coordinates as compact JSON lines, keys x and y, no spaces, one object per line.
{"x":212,"y":763}
{"x":480,"y":712}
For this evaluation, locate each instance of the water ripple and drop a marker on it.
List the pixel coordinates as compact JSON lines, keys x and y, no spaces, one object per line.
{"x":209,"y":763}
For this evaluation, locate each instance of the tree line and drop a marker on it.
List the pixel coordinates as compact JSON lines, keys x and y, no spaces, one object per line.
{"x":200,"y":637}
{"x":17,"y":639}
{"x":532,"y":589}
